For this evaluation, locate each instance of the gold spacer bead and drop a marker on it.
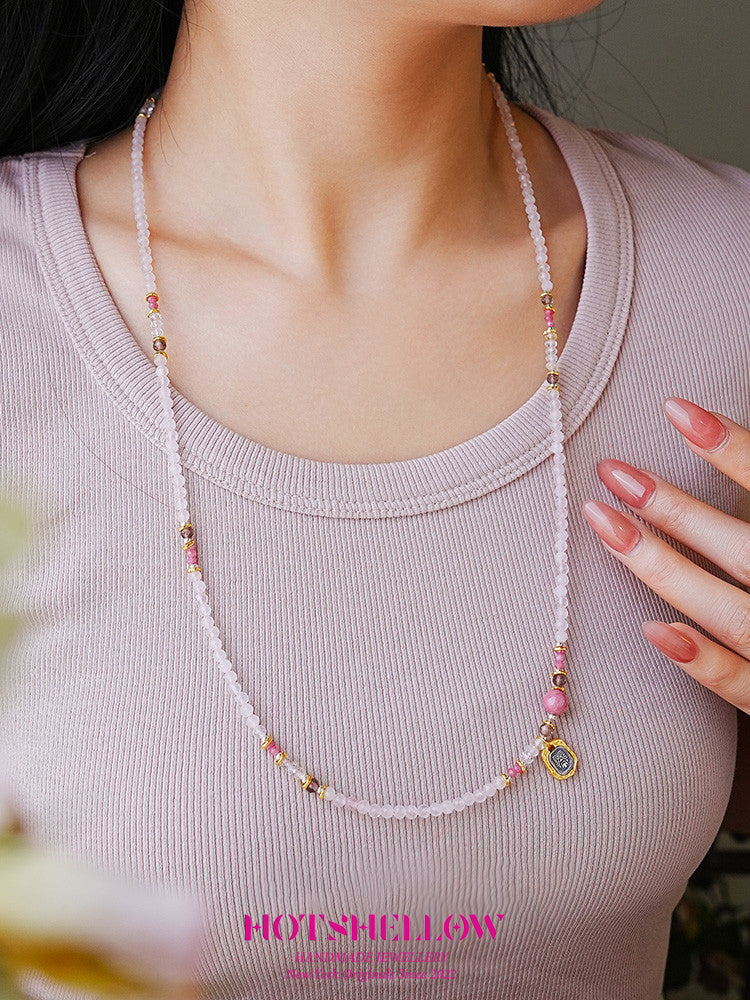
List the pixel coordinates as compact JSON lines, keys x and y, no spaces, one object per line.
{"x":151,"y":312}
{"x":280,"y":758}
{"x":151,"y":295}
{"x":507,"y":779}
{"x":523,"y":769}
{"x":555,"y":387}
{"x":562,"y":647}
{"x":188,"y":544}
{"x":164,"y":353}
{"x":194,"y":569}
{"x":266,"y":742}
{"x":321,"y":791}
{"x":306,"y":780}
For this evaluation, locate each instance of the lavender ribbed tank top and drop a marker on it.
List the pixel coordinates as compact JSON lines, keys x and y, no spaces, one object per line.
{"x":391,"y":622}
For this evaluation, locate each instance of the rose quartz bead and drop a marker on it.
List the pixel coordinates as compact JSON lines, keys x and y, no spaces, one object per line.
{"x":192,"y":555}
{"x":555,"y":702}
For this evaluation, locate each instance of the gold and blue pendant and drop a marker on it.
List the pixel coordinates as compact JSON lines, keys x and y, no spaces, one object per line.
{"x":559,"y":759}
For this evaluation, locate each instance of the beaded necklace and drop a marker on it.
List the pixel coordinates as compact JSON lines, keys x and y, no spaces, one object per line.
{"x":559,"y":760}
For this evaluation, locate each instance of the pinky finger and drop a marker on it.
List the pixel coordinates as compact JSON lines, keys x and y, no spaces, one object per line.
{"x":711,"y":664}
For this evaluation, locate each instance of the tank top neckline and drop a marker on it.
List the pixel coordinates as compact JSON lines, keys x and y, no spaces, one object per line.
{"x":209,"y":449}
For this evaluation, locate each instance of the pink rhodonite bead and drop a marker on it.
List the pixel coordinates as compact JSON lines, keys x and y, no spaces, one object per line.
{"x":191,"y":555}
{"x":549,"y":316}
{"x":273,"y":749}
{"x":559,"y":658}
{"x":513,"y":771}
{"x":152,"y":301}
{"x":555,"y":702}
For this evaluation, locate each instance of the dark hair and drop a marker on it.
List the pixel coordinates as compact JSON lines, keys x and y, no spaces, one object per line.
{"x":81,"y":69}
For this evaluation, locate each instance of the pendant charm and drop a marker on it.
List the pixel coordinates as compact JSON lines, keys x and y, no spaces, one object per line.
{"x":559,"y":759}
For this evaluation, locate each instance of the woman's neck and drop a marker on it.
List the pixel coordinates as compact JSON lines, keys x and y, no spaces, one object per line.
{"x":333,"y":146}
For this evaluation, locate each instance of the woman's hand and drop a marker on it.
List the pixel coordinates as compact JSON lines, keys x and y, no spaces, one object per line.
{"x":721,"y":608}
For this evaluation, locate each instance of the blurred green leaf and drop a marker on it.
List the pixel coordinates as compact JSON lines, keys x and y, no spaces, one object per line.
{"x":14,"y":528}
{"x":14,"y":533}
{"x":8,"y":628}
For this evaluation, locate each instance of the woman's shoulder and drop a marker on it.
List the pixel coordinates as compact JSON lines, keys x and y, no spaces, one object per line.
{"x":21,"y":176}
{"x":663,"y":180}
{"x":35,"y":196}
{"x":37,"y":190}
{"x":14,"y":220}
{"x":23,"y":208}
{"x":689,"y":216}
{"x":685,"y":215}
{"x":690,"y":226}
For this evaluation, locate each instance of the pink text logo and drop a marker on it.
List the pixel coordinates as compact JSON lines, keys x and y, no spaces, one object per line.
{"x":386,"y":927}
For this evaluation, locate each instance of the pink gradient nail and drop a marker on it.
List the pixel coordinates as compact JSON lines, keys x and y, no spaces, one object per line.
{"x":626,"y":482}
{"x":699,"y":426}
{"x":669,"y":641}
{"x":611,"y":526}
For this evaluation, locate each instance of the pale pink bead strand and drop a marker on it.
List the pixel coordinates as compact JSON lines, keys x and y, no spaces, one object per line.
{"x":558,"y":704}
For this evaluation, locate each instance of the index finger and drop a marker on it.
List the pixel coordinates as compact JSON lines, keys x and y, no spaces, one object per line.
{"x":714,"y":436}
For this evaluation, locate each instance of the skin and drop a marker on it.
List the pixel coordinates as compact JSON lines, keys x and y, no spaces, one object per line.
{"x":350,"y":283}
{"x":356,"y":282}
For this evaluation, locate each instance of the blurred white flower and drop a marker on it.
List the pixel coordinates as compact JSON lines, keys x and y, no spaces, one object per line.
{"x":93,"y":931}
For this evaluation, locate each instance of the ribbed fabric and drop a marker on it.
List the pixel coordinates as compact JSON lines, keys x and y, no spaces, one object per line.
{"x":391,"y":622}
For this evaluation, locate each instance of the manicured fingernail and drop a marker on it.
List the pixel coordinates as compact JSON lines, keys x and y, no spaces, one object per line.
{"x":698,"y":425}
{"x":615,"y":529}
{"x":626,"y":482}
{"x":671,"y":642}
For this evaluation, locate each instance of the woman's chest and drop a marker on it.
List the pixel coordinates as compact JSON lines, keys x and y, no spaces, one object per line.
{"x":399,"y":664}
